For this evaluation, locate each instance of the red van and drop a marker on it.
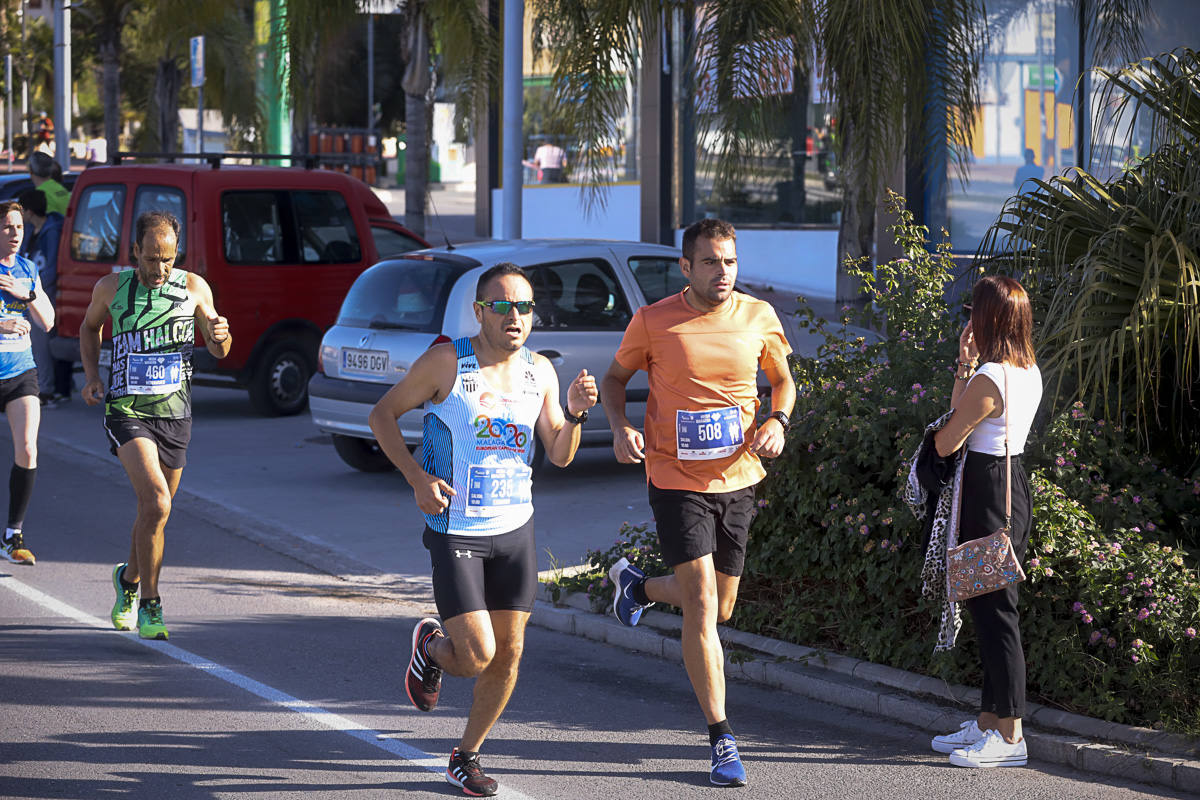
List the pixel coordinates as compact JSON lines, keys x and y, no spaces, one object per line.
{"x":279,"y":246}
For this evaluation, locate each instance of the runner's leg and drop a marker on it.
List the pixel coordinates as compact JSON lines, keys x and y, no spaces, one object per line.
{"x":494,"y":686}
{"x":24,"y":415}
{"x":154,"y":488}
{"x":693,"y":588}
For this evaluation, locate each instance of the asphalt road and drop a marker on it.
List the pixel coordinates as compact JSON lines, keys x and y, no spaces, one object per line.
{"x":281,"y":680}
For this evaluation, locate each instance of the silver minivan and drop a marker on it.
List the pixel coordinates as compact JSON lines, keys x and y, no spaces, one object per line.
{"x":585,"y":293}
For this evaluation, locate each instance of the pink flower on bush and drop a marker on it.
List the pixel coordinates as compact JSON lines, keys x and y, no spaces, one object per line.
{"x":1190,"y":633}
{"x":1112,"y":643}
{"x":1095,"y":637}
{"x":864,"y":530}
{"x":1035,"y":562}
{"x":1078,"y":607}
{"x":1049,"y":572}
{"x":1141,"y":615}
{"x":1134,"y":659}
{"x":1060,"y":461}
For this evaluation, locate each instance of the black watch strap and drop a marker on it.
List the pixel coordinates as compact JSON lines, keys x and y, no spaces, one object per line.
{"x":32,"y":295}
{"x":578,"y":420}
{"x":783,"y":418}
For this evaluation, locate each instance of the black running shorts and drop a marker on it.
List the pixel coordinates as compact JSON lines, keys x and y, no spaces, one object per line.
{"x":18,"y":386}
{"x":483,"y":573}
{"x":692,"y":525}
{"x":171,"y":436}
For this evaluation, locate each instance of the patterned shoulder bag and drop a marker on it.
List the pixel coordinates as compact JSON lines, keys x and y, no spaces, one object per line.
{"x":986,"y":565}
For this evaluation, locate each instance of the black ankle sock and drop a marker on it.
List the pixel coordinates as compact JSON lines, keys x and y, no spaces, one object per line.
{"x":639,"y":594}
{"x":717,"y":730}
{"x":126,"y":585}
{"x":20,"y":489}
{"x":467,"y":755}
{"x":145,"y":601}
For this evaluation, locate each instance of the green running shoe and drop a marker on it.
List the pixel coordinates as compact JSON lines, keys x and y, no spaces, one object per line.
{"x":124,"y":611}
{"x":150,"y":621}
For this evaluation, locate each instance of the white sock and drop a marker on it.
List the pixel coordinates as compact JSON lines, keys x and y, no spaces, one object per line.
{"x":10,"y":532}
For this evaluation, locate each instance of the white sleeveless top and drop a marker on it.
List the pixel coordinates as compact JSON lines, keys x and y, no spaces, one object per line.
{"x":1025,"y":390}
{"x":480,"y":441}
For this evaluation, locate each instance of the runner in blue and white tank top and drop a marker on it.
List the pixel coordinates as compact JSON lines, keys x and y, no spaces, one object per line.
{"x":479,"y":440}
{"x":485,"y":398}
{"x":21,"y":296}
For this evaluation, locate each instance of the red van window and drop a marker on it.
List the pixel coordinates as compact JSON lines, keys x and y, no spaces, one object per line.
{"x":168,"y":199}
{"x":96,"y":234}
{"x":252,"y":231}
{"x":325,"y":227}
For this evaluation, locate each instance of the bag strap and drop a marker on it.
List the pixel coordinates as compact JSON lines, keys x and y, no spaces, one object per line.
{"x":1007,"y":459}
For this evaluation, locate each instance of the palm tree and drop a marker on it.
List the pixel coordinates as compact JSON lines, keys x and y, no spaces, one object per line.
{"x":163,"y":29}
{"x":1113,"y":265}
{"x":895,"y":72}
{"x":107,"y":19}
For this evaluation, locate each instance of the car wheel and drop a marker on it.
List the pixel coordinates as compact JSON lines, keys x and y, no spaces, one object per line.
{"x":362,"y":454}
{"x":279,"y":385}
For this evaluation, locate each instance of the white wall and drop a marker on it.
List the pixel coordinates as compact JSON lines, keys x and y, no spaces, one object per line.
{"x":557,"y":212}
{"x":801,"y":261}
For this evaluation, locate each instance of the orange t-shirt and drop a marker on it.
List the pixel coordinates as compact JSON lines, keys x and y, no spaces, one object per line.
{"x":703,"y":362}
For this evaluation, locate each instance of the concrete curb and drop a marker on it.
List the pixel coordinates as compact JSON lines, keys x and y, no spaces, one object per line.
{"x":931,"y":704}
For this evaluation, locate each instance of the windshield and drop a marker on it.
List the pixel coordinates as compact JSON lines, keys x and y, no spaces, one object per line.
{"x":400,"y":294}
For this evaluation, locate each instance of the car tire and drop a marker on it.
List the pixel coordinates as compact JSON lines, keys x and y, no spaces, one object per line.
{"x":362,"y":454}
{"x":279,"y":385}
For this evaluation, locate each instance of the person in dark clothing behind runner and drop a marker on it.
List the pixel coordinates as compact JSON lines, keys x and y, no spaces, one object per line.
{"x":43,"y":229}
{"x":485,"y":398}
{"x":21,"y":294}
{"x":155,"y":310}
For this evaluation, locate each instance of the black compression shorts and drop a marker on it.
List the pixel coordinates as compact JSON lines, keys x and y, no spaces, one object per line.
{"x":483,"y":573}
{"x":18,"y":386}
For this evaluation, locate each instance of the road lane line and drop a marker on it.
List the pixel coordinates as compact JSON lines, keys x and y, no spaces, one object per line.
{"x":314,"y":713}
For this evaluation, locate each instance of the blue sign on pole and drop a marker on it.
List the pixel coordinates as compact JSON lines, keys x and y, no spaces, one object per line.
{"x":197,"y":51}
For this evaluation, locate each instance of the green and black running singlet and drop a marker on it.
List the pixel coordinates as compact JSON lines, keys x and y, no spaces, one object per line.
{"x":153,"y":331}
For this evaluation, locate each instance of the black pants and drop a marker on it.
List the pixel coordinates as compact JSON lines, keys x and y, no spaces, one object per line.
{"x":997,"y":622}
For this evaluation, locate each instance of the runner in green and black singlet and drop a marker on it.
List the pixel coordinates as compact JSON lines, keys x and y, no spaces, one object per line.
{"x":153,"y":330}
{"x":155,"y":311}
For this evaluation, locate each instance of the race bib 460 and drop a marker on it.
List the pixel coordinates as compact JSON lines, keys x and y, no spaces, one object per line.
{"x":154,"y":373}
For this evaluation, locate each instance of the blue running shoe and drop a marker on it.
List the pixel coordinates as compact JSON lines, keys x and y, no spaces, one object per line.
{"x":624,"y":577}
{"x":727,"y":769}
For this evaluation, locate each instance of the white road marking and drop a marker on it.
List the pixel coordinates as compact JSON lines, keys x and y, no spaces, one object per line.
{"x":314,"y":713}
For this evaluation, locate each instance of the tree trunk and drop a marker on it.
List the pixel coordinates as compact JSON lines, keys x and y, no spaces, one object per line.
{"x":856,"y":234}
{"x":110,"y":88}
{"x":416,"y":162}
{"x":166,"y":100}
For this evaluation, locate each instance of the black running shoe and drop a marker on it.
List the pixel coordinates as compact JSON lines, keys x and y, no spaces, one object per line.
{"x":423,"y":681}
{"x":466,"y":774}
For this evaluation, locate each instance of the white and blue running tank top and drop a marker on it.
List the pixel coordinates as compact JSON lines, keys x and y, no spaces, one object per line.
{"x":480,"y":441}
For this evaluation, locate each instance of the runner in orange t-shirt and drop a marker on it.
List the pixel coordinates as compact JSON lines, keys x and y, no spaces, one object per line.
{"x":702,"y":350}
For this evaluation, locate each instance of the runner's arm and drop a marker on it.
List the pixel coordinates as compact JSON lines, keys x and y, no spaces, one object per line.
{"x":770,"y":437}
{"x":560,"y":437}
{"x":89,"y":337}
{"x":41,"y":310}
{"x":213,"y":327}
{"x":426,"y":380}
{"x":628,"y":444}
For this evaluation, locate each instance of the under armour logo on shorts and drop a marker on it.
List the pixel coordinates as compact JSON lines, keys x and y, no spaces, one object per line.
{"x":462,"y":553}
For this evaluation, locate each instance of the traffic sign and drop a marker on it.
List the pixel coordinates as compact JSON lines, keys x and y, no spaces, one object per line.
{"x":197,"y":51}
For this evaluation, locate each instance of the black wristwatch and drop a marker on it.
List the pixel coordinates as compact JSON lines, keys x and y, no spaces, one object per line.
{"x":578,"y":420}
{"x":782,"y":417}
{"x":32,"y":296}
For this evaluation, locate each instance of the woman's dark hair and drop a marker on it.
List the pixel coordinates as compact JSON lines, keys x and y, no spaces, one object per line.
{"x":1002,"y":321}
{"x":498,"y":271}
{"x":152,"y":220}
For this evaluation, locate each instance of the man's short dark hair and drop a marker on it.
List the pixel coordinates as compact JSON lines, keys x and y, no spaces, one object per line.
{"x":41,"y":164}
{"x":152,"y":220}
{"x":498,"y":271}
{"x":711,"y":228}
{"x":34,"y":200}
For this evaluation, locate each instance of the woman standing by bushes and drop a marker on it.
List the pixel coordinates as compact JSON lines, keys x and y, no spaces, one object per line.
{"x":1000,"y":335}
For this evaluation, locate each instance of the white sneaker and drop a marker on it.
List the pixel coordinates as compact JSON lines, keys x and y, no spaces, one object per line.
{"x":991,"y":751}
{"x":967,"y":734}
